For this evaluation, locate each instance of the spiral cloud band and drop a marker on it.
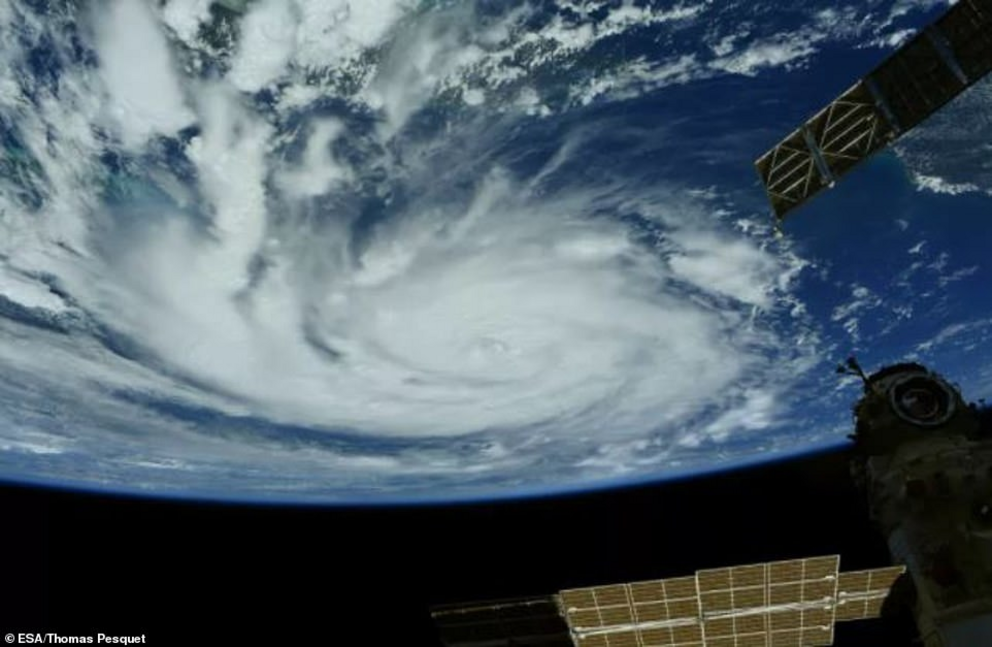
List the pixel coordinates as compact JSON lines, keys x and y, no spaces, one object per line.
{"x":204,"y":280}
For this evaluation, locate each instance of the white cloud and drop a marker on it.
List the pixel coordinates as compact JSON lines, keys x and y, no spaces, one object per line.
{"x":230,"y":155}
{"x":474,"y":97}
{"x":901,"y":8}
{"x":27,"y":291}
{"x":863,"y":301}
{"x":732,"y":267}
{"x":334,"y":31}
{"x":184,"y":17}
{"x":34,"y":443}
{"x":781,"y":50}
{"x":939,"y":185}
{"x":267,"y":44}
{"x":727,"y":44}
{"x":954,"y":332}
{"x":758,"y":410}
{"x":421,"y":60}
{"x":637,"y":77}
{"x":957,"y":275}
{"x":146,"y":97}
{"x":898,"y":38}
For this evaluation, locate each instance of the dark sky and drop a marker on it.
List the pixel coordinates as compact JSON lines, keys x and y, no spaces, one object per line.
{"x":78,"y":564}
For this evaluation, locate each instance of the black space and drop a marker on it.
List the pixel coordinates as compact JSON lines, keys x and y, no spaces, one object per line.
{"x":183,"y":573}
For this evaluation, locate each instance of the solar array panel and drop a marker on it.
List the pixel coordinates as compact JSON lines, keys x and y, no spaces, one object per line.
{"x":780,"y":603}
{"x":918,"y":79}
{"x":861,"y":594}
{"x":656,"y":612}
{"x":790,"y":603}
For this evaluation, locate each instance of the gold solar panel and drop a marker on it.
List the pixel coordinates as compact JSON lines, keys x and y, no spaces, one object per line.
{"x":654,"y":613}
{"x":790,"y":603}
{"x":785,"y":602}
{"x":860,"y":594}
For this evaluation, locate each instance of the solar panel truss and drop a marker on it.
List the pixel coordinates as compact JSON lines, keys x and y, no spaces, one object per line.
{"x":790,"y":173}
{"x":849,"y":130}
{"x":917,"y":80}
{"x":526,"y":622}
{"x":826,"y":147}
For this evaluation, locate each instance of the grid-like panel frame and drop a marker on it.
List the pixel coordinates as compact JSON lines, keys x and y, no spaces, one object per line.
{"x":654,"y":613}
{"x":790,"y":173}
{"x":778,"y":603}
{"x":791,"y":603}
{"x":849,"y":130}
{"x":861,"y":594}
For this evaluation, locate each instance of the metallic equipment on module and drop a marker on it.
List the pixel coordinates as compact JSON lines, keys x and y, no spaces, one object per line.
{"x":924,"y":458}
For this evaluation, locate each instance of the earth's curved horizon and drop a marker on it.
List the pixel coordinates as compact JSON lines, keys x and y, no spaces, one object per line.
{"x":397,"y":251}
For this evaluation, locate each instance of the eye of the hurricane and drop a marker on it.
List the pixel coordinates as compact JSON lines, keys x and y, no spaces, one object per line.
{"x":497,"y":330}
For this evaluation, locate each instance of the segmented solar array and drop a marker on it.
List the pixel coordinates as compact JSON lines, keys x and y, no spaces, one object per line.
{"x":861,"y":594}
{"x":791,"y":603}
{"x":778,"y":604}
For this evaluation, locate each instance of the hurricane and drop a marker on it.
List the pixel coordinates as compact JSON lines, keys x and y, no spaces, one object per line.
{"x":376,"y":250}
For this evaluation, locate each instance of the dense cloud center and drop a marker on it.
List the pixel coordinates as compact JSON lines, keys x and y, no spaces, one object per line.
{"x":518,"y":312}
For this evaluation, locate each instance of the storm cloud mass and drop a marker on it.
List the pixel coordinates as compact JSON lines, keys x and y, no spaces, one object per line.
{"x":340,"y":250}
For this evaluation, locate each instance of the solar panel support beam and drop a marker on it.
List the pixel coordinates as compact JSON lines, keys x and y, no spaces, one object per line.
{"x":826,"y":177}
